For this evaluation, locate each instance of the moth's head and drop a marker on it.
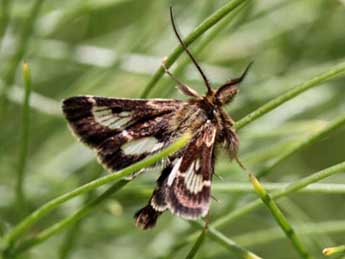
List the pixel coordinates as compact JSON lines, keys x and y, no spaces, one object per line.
{"x":226,"y":92}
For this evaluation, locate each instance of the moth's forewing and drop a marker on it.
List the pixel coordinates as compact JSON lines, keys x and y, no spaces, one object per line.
{"x":122,"y":131}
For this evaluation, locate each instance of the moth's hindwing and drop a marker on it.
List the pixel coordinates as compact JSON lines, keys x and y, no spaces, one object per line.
{"x":184,"y":185}
{"x":122,"y":131}
{"x":189,"y":183}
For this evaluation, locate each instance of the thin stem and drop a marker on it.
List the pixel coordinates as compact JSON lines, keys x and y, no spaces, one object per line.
{"x":293,"y":187}
{"x":279,"y":217}
{"x":68,"y":244}
{"x":24,"y":225}
{"x":231,"y":245}
{"x":269,"y":106}
{"x":69,"y":221}
{"x":227,"y":243}
{"x":324,"y":188}
{"x":201,"y":29}
{"x":197,"y":244}
{"x":305,"y":229}
{"x":24,"y":141}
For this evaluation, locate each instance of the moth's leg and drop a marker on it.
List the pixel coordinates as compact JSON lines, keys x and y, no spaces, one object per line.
{"x":207,"y":221}
{"x":182,"y":87}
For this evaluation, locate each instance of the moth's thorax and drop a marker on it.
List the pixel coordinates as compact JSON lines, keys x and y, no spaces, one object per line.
{"x":188,"y":117}
{"x":213,"y":111}
{"x":196,"y":112}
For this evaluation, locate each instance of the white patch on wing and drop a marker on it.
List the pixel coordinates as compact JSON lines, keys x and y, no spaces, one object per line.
{"x":192,"y":180}
{"x":174,"y":171}
{"x":158,"y":207}
{"x":142,"y":145}
{"x":104,"y":116}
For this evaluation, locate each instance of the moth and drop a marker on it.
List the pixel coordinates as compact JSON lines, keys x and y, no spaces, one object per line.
{"x":124,"y":131}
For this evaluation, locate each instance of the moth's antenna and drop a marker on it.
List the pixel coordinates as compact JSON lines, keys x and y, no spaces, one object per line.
{"x":238,"y":80}
{"x":207,"y":83}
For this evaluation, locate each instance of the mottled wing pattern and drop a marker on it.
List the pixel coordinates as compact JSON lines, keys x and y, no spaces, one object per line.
{"x":185,"y":183}
{"x":122,"y":131}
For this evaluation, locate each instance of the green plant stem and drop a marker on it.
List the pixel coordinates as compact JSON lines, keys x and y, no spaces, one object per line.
{"x":334,"y":250}
{"x":293,"y":187}
{"x":306,"y":229}
{"x":332,"y":126}
{"x":68,"y":244}
{"x":201,"y":29}
{"x":19,"y":229}
{"x":197,"y":244}
{"x":58,"y":227}
{"x":10,"y":70}
{"x":279,"y":217}
{"x":299,"y":216}
{"x":226,"y":242}
{"x":324,"y":188}
{"x":269,"y":106}
{"x":24,"y":142}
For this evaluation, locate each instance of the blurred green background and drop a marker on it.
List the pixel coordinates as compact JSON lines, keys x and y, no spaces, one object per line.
{"x":112,"y":48}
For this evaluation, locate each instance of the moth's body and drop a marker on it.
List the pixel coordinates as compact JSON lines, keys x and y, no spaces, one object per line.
{"x":124,"y":131}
